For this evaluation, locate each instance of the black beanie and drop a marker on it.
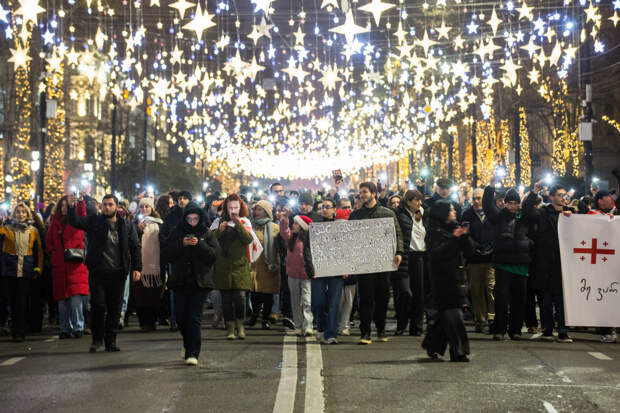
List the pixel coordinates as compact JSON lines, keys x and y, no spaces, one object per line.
{"x":512,"y":195}
{"x":185,"y":194}
{"x":441,"y":210}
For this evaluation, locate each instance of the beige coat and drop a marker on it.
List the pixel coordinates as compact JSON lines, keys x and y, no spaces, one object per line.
{"x":262,"y":280}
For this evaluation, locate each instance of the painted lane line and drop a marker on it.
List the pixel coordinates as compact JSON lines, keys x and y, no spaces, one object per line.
{"x":11,"y":361}
{"x":599,"y":355}
{"x":549,"y":407}
{"x":285,"y":397}
{"x":315,"y":399}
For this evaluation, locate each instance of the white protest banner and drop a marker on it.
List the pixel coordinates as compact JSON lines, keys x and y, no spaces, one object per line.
{"x":353,"y":247}
{"x":590,"y":254}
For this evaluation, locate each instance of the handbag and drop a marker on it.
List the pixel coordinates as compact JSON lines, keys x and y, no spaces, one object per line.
{"x":71,"y":254}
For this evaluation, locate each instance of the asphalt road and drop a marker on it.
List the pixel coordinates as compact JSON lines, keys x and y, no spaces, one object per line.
{"x":276,"y":372}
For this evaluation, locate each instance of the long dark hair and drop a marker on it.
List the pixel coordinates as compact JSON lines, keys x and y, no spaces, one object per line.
{"x":163,"y":205}
{"x":302,"y":235}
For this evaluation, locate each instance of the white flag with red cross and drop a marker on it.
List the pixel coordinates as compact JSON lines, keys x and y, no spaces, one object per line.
{"x":590,"y":254}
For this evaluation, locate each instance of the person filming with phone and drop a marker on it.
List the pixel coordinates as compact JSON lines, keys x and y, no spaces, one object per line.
{"x":113,"y":251}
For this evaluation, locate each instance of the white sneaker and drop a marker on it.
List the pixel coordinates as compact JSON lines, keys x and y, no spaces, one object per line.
{"x":332,"y":340}
{"x":308,"y":332}
{"x":608,"y":338}
{"x":191,"y":361}
{"x":346,"y":332}
{"x":298,"y":332}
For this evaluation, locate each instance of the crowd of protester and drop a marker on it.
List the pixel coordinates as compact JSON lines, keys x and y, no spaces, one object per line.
{"x":492,"y":252}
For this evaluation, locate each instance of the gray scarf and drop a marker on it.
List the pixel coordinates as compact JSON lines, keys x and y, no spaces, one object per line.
{"x":269,"y":250}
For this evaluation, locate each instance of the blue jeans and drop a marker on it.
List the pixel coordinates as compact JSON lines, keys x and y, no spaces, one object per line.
{"x":188,"y":314}
{"x":326,"y":293}
{"x":70,"y":314}
{"x":125,"y":296}
{"x":550,"y":302}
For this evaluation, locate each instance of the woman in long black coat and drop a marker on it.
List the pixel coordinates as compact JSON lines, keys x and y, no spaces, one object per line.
{"x":447,"y":243}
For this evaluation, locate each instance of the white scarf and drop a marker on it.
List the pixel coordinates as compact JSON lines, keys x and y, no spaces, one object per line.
{"x":151,"y":269}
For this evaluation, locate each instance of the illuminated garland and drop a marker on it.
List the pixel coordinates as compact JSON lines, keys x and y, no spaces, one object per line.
{"x":567,"y":150}
{"x":612,"y":122}
{"x":503,"y":153}
{"x":22,"y":188}
{"x":526,"y":162}
{"x":54,"y":150}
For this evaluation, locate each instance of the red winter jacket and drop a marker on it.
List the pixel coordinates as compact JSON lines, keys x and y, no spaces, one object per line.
{"x":68,"y":278}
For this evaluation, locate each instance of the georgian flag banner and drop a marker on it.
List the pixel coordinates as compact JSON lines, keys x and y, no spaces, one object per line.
{"x":590,"y":254}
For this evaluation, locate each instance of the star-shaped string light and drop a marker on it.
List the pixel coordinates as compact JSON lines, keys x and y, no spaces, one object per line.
{"x":264,"y":5}
{"x":330,"y":77}
{"x":332,"y":3}
{"x":376,"y":8}
{"x":200,"y":23}
{"x":443,"y":30}
{"x":29,"y":9}
{"x":510,"y":68}
{"x":72,"y":57}
{"x":182,"y":6}
{"x":299,"y":36}
{"x":349,"y":29}
{"x":425,"y":43}
{"x":525,"y":12}
{"x":19,"y":57}
{"x":494,"y":21}
{"x":400,"y":33}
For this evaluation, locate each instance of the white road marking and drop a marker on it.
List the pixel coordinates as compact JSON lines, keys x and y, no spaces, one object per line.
{"x":285,"y":397}
{"x":51,"y":339}
{"x":315,"y":399}
{"x":564,"y":377}
{"x":11,"y":361}
{"x":581,"y":386}
{"x":599,"y":355}
{"x":549,"y":407}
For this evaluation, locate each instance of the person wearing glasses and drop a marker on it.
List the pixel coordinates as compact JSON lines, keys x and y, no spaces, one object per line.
{"x":191,"y":249}
{"x":326,"y":292}
{"x":345,"y":203}
{"x":512,"y":255}
{"x":277,"y":190}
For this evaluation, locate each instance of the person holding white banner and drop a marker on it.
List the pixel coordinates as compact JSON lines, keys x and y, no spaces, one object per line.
{"x":374,"y":288}
{"x":604,"y":204}
{"x":547,"y":274}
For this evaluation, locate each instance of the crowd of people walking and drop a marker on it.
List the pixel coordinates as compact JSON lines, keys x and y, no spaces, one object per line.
{"x":494,"y":253}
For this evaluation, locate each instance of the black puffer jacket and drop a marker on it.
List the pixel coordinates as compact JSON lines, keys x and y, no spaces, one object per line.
{"x":547,"y":270}
{"x":512,"y":244}
{"x":482,"y":235}
{"x":447,"y":277}
{"x":192,"y":266}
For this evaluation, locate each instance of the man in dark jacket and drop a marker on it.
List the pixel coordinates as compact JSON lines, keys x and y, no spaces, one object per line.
{"x":443,"y":192}
{"x":113,"y":250}
{"x":479,"y":269}
{"x":547,"y":275}
{"x":511,"y":258}
{"x":374,"y":289}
